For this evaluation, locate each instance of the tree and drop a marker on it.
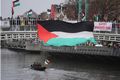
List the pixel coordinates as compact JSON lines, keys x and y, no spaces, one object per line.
{"x":70,"y":9}
{"x":44,"y":16}
{"x":106,"y":8}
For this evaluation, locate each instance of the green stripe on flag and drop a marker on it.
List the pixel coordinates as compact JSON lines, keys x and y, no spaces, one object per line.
{"x":16,"y":4}
{"x":29,"y":15}
{"x":69,"y":41}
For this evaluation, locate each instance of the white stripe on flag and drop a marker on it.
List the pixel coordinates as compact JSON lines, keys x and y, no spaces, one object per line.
{"x":83,"y":34}
{"x":47,"y":62}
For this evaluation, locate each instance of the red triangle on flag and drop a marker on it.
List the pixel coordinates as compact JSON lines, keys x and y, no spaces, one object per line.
{"x":43,"y":34}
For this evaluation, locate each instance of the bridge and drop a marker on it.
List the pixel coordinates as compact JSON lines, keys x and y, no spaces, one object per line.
{"x":27,"y":39}
{"x":8,"y":35}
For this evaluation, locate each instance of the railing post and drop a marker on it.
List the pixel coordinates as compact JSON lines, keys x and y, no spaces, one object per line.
{"x":116,"y":28}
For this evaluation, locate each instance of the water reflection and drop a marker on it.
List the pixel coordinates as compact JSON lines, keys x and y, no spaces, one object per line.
{"x":15,"y":65}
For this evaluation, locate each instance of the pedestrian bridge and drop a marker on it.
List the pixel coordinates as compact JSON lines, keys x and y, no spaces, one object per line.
{"x":27,"y":40}
{"x":22,"y":36}
{"x":9,"y":35}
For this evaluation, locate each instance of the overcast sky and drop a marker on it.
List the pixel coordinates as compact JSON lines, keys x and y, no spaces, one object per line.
{"x":36,"y":5}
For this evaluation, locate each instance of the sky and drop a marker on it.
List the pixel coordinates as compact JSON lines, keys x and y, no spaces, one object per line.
{"x":25,"y":5}
{"x":0,"y":7}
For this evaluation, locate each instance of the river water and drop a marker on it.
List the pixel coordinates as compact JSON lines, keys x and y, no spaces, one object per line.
{"x":15,"y":65}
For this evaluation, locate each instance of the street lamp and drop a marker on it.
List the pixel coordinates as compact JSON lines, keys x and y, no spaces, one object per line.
{"x":79,"y":9}
{"x":86,"y":9}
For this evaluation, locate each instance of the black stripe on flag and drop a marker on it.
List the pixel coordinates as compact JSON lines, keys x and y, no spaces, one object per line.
{"x":57,"y":25}
{"x":15,"y":1}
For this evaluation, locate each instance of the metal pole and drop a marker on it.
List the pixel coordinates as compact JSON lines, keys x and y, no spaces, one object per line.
{"x":116,"y":27}
{"x":86,"y":9}
{"x":79,"y":10}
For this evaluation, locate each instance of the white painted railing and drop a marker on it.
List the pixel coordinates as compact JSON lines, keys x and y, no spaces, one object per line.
{"x":5,"y":35}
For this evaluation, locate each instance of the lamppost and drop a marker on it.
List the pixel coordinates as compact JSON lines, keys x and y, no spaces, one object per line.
{"x":86,"y":9}
{"x":79,"y":10}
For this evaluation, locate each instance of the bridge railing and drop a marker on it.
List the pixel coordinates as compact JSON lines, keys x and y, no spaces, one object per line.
{"x":25,"y":24}
{"x":107,"y":37}
{"x":7,"y":35}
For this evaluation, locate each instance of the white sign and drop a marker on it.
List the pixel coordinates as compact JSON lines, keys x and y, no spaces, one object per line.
{"x":102,"y":26}
{"x":5,"y":24}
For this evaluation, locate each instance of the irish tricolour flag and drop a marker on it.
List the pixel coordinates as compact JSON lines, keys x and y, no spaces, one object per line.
{"x":59,"y":33}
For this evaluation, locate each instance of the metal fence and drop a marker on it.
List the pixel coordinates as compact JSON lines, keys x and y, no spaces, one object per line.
{"x":23,"y":24}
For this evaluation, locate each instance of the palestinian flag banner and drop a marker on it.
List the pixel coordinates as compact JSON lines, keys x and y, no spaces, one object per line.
{"x":29,"y":14}
{"x":15,"y":3}
{"x":60,"y":33}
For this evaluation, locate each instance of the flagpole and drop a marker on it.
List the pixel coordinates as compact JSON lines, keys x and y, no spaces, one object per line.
{"x":12,"y":16}
{"x":15,"y":3}
{"x":12,"y":11}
